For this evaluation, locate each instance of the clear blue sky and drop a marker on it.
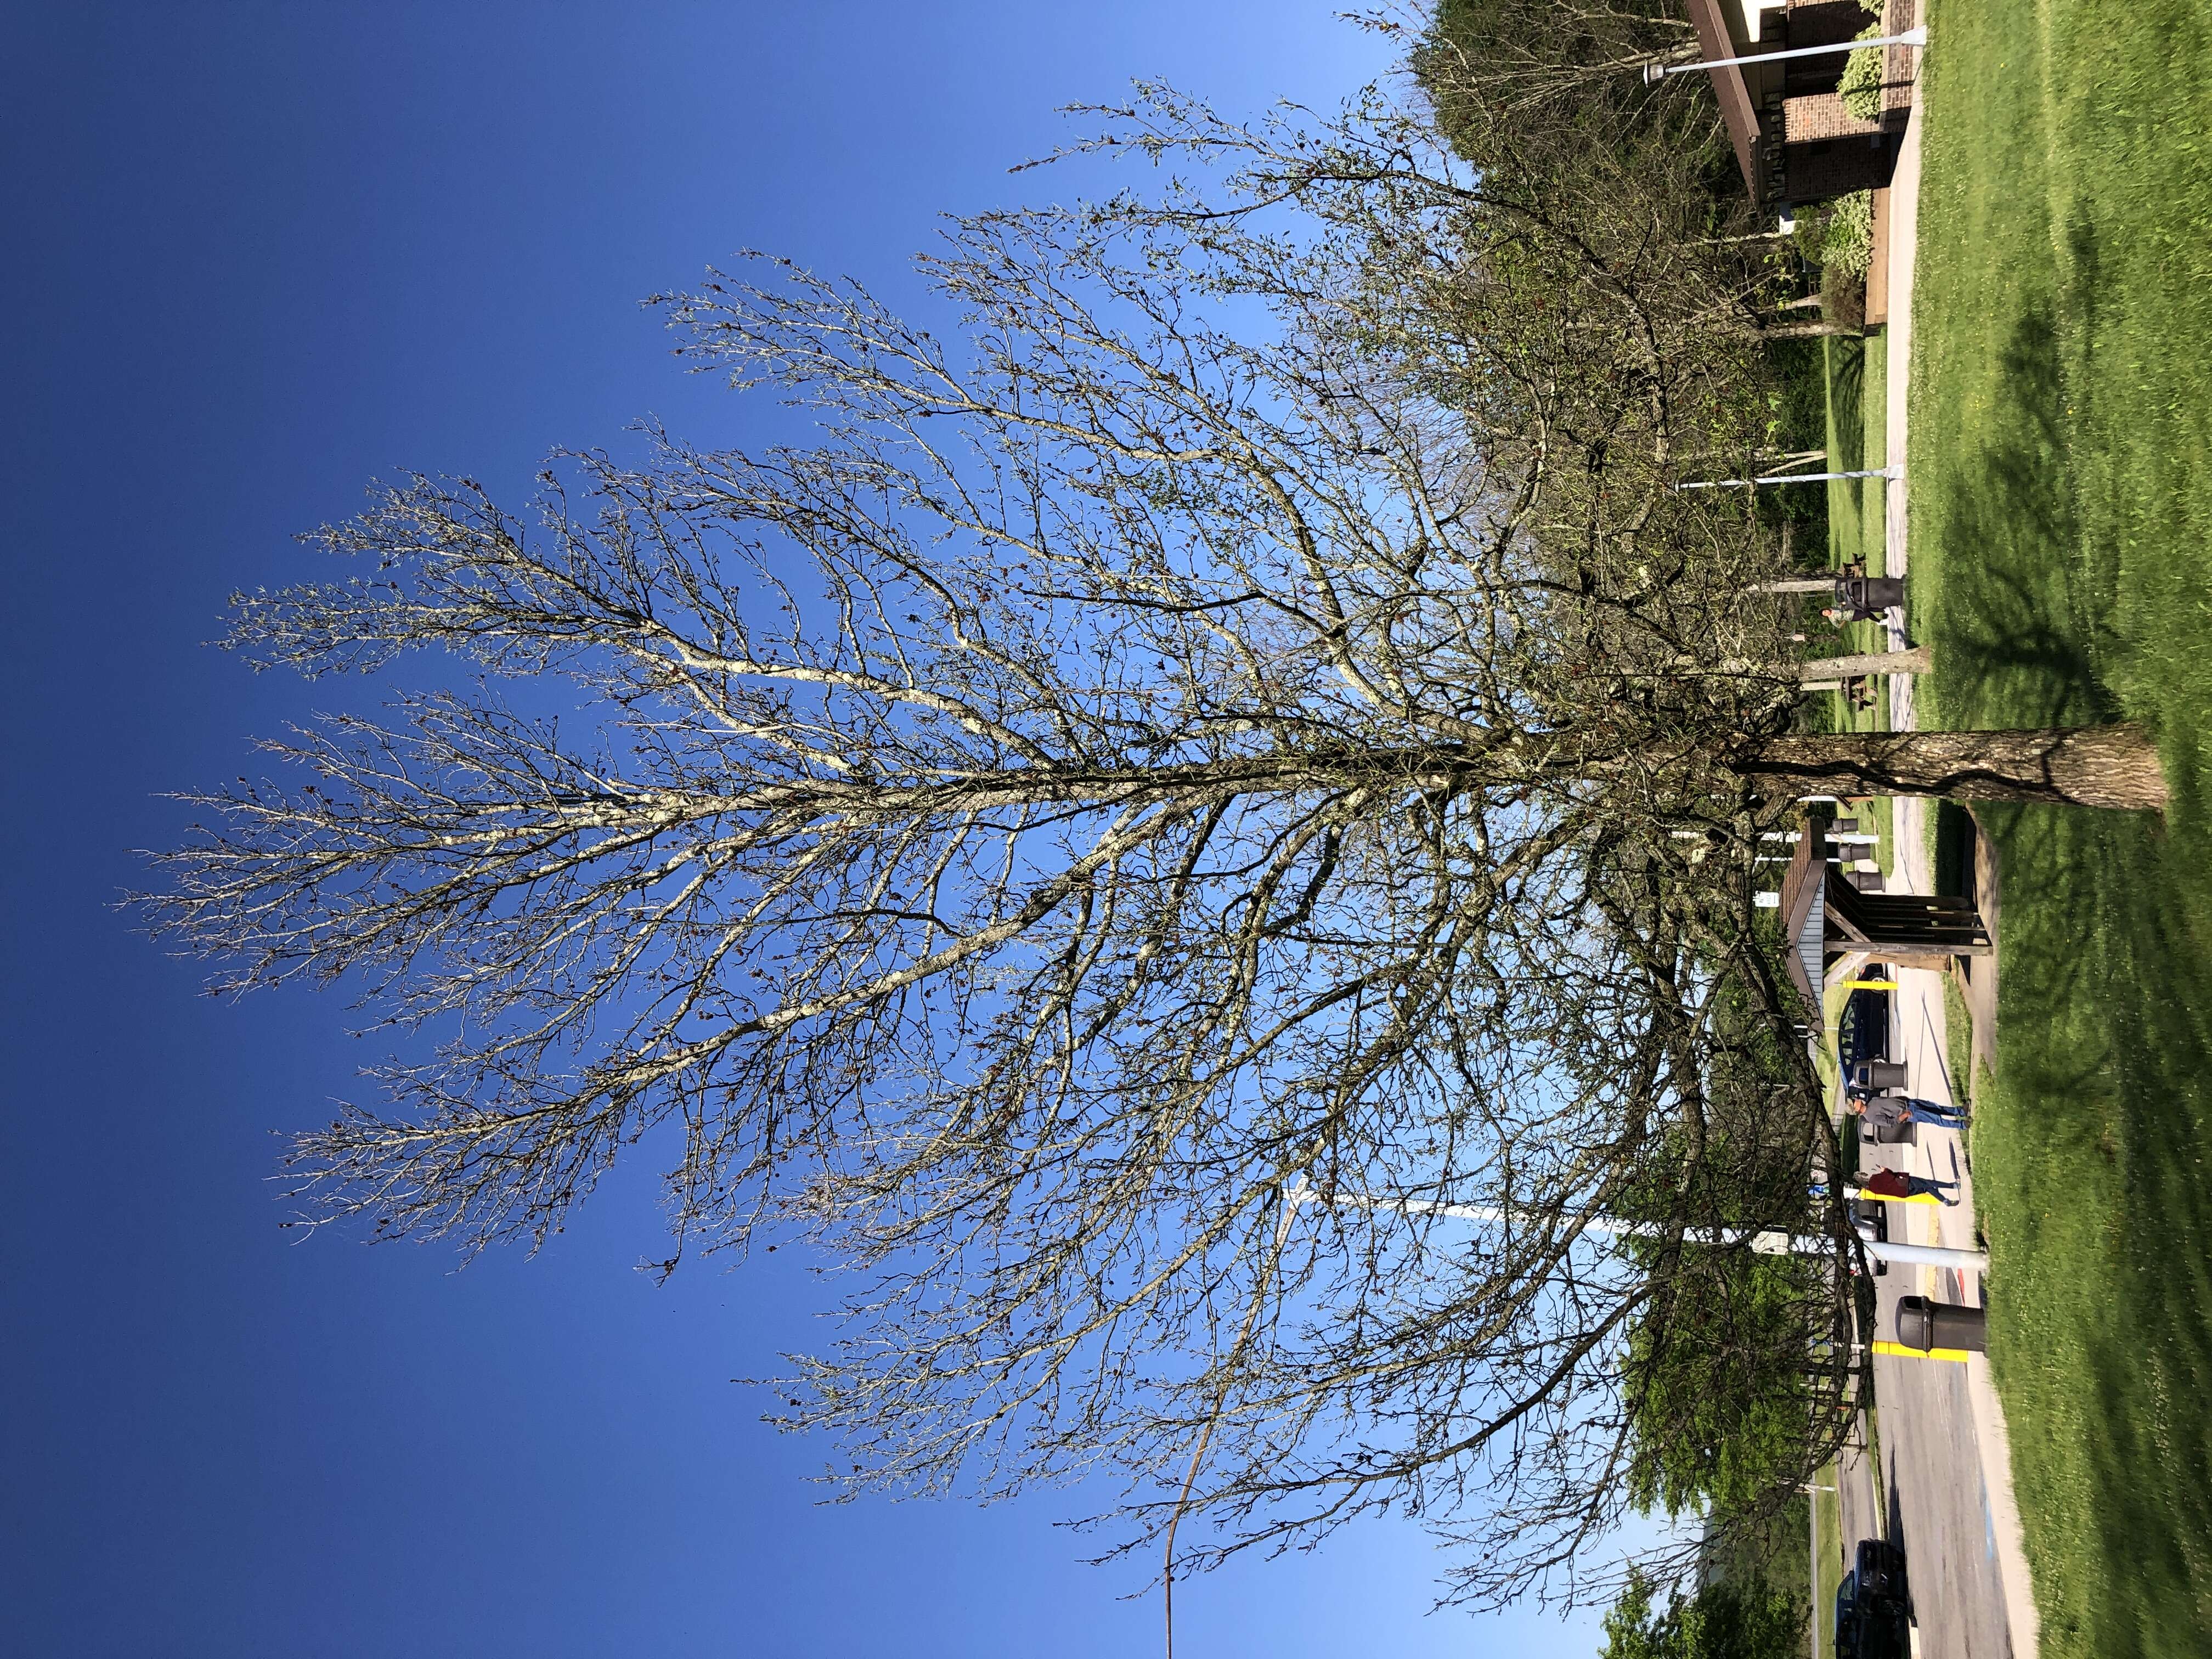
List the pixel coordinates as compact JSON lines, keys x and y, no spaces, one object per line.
{"x":258,"y":255}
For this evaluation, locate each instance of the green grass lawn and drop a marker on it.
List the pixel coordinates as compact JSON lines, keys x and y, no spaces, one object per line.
{"x":1855,"y":374}
{"x":1828,"y":1538}
{"x":2062,"y":567}
{"x":1958,"y":1044}
{"x":1855,"y":403}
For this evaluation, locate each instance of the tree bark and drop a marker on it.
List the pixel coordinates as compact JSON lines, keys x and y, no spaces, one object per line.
{"x":2115,"y":766}
{"x":2112,"y":767}
{"x":1918,"y":660}
{"x":1811,"y":332}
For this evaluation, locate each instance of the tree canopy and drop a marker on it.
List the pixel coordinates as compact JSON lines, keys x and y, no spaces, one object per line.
{"x":1717,"y":1621}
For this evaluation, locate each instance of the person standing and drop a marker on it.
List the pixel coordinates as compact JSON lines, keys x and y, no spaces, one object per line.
{"x":1886,"y":1111}
{"x":1897,"y":1184}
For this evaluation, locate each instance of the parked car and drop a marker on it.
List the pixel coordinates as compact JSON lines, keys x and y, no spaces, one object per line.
{"x":1863,"y":1034}
{"x":1873,"y":1606}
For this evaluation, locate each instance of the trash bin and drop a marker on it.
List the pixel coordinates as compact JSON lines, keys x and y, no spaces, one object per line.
{"x":1869,"y":596}
{"x":1923,"y":1324}
{"x":1878,"y":1074}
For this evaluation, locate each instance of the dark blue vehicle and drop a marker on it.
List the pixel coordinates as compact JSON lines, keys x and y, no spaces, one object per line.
{"x":1863,"y":1033}
{"x":1874,"y":1607}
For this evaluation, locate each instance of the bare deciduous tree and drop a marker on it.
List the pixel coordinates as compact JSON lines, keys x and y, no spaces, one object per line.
{"x":1157,"y":800}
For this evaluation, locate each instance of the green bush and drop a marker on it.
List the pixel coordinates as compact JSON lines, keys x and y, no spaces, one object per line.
{"x":1861,"y":86}
{"x":1842,"y":295}
{"x":1848,"y":246}
{"x":1715,"y":1383}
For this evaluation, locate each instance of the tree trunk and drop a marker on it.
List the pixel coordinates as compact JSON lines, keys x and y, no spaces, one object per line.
{"x":1918,"y":660}
{"x":2115,"y":766}
{"x":1811,"y":332}
{"x":1796,"y":584}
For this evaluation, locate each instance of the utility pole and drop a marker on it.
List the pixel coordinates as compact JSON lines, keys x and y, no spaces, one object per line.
{"x":1921,"y":660}
{"x":1760,"y":1242}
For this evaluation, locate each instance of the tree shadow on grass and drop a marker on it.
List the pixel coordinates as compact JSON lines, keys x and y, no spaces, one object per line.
{"x":1846,"y":366}
{"x":2100,"y":1258}
{"x":2011,"y":643}
{"x":2097,"y":1161}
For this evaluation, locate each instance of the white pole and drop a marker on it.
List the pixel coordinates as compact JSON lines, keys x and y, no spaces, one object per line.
{"x":1762,"y":1243}
{"x":1813,"y":1537}
{"x":1891,"y":472}
{"x":1654,"y":73}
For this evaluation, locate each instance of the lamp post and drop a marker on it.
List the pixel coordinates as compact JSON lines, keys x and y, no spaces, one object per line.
{"x":1654,"y":73}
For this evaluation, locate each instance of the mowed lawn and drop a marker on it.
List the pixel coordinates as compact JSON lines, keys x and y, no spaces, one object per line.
{"x":2061,"y":567}
{"x":1854,"y":375}
{"x":1856,"y":395}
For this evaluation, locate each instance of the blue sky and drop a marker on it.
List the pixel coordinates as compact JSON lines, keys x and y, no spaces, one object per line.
{"x":257,"y":256}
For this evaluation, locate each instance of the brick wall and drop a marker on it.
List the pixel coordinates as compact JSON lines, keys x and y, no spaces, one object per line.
{"x":1830,"y":22}
{"x":1900,"y":64}
{"x":1813,"y":115}
{"x":1823,"y":150}
{"x":1824,"y":22}
{"x":1820,"y":171}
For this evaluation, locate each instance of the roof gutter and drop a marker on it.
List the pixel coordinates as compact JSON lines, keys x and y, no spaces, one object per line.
{"x":1713,"y":40}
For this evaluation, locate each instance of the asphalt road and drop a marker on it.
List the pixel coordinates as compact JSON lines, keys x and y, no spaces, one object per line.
{"x":1931,"y":1498}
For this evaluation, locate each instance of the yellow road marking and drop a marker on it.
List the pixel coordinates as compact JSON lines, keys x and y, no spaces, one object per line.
{"x":1898,"y":1350}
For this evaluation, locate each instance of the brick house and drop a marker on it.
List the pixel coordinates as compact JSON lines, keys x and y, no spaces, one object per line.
{"x":1794,"y":140}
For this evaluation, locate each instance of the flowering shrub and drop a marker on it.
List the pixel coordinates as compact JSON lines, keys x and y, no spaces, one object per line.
{"x":1859,"y":88}
{"x":1848,"y":244}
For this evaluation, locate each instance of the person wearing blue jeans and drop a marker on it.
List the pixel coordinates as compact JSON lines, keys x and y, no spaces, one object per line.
{"x":1910,"y":1188}
{"x":1881,"y":1111}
